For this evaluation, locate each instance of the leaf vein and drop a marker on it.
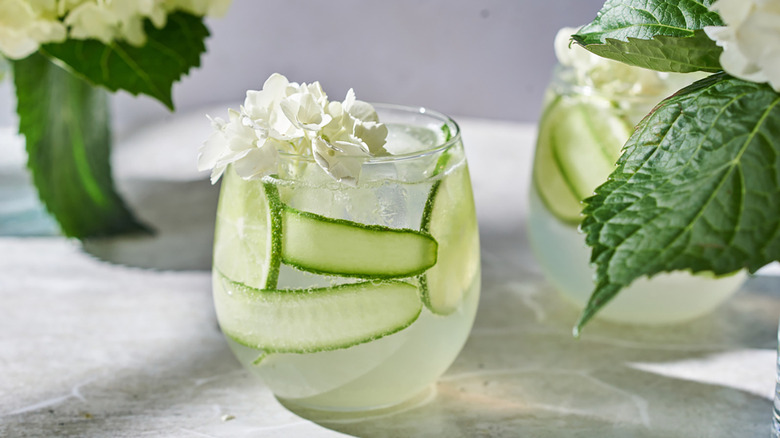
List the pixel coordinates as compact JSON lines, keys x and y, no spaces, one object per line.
{"x":689,"y":226}
{"x":668,"y":180}
{"x":139,"y":71}
{"x":760,"y":122}
{"x":166,"y":50}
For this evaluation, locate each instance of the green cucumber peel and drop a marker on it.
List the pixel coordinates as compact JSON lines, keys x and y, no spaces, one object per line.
{"x":544,"y":140}
{"x":445,"y":129}
{"x":425,"y":222}
{"x":425,"y":293}
{"x":407,"y":315}
{"x":451,"y":222}
{"x":425,"y":226}
{"x":578,"y":143}
{"x":260,"y":358}
{"x":248,"y":233}
{"x":441,"y":164}
{"x":276,"y":207}
{"x":446,"y":155}
{"x":353,"y":231}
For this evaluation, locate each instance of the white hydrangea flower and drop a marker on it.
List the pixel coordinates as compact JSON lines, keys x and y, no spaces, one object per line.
{"x":114,"y":19}
{"x":90,"y":20}
{"x":606,"y":75}
{"x":236,"y":142}
{"x":364,"y":123}
{"x":305,"y":109}
{"x":750,"y":39}
{"x":340,"y":159}
{"x":297,"y":119}
{"x":26,"y":24}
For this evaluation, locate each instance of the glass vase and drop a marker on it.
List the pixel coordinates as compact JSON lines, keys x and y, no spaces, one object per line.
{"x":21,"y":212}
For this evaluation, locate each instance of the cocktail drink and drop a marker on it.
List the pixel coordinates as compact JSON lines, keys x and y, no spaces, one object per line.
{"x":590,"y":110}
{"x":354,"y":294}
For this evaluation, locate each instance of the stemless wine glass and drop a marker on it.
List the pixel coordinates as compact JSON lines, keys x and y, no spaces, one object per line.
{"x":581,"y":134}
{"x":352,"y":298}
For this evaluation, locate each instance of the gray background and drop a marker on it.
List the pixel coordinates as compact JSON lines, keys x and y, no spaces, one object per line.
{"x":478,"y":58}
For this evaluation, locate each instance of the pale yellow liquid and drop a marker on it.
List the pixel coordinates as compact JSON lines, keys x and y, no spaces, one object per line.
{"x":372,"y":375}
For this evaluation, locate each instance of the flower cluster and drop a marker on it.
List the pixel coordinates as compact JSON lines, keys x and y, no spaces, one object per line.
{"x":612,"y":77}
{"x":750,"y":39}
{"x":286,"y":117}
{"x":26,"y":24}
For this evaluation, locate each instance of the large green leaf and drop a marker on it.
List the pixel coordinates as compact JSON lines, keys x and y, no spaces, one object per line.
{"x":664,"y":35}
{"x":151,"y":69}
{"x":65,"y":122}
{"x":697,"y":188}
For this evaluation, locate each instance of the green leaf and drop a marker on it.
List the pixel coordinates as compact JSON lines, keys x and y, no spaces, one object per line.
{"x":696,"y":188}
{"x":151,"y":69}
{"x":662,"y":53}
{"x":663,"y":35}
{"x":65,"y":122}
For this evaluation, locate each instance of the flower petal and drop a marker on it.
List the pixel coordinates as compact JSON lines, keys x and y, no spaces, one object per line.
{"x":358,"y":109}
{"x":750,"y":39}
{"x":258,"y":162}
{"x":342,"y":160}
{"x":374,"y":135}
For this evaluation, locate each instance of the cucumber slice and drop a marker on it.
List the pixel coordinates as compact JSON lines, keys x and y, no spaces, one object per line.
{"x":450,"y":217}
{"x":247,"y":243}
{"x":579,"y":141}
{"x":311,"y":320}
{"x":324,"y":245}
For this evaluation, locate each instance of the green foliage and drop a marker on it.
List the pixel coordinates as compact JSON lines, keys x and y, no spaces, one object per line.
{"x":696,"y":189}
{"x":65,"y":121}
{"x":663,"y":35}
{"x":151,"y":69}
{"x":64,"y":116}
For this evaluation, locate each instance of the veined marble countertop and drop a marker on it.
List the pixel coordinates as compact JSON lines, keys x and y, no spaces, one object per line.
{"x":90,"y":348}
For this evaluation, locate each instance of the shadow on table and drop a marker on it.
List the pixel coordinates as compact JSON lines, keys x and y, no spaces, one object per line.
{"x":160,"y":379}
{"x":163,"y":387}
{"x":182,"y":215}
{"x":522,"y":374}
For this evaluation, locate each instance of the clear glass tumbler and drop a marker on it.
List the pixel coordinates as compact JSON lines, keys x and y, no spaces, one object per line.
{"x":581,"y":134}
{"x":351,"y":298}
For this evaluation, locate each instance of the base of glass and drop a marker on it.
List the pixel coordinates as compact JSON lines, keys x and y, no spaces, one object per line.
{"x":355,"y":414}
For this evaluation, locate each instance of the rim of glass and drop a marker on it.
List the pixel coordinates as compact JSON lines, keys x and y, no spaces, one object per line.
{"x":419,"y":110}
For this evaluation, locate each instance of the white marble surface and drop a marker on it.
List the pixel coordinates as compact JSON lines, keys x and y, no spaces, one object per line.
{"x":90,"y":348}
